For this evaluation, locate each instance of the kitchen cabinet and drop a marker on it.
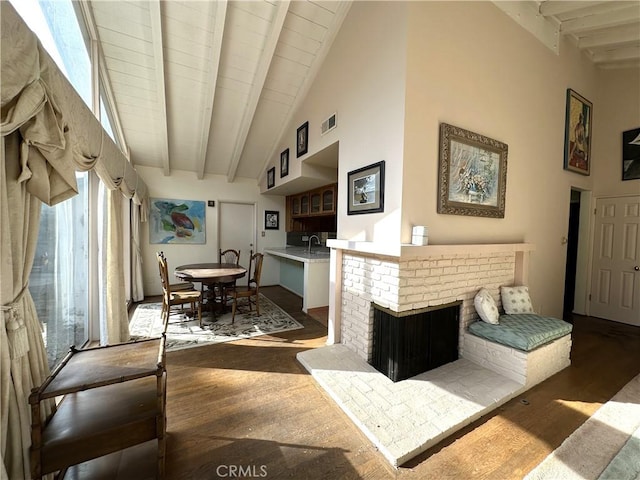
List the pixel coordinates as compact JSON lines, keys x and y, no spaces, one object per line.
{"x":329,"y":194}
{"x":313,"y":210}
{"x":304,"y":204}
{"x":319,"y":201}
{"x":316,"y":202}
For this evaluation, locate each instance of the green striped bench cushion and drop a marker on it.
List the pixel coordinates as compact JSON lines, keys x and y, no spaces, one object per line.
{"x":524,"y":331}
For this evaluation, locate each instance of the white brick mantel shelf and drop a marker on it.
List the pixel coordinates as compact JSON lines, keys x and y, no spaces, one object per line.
{"x":404,"y":277}
{"x":407,"y":250}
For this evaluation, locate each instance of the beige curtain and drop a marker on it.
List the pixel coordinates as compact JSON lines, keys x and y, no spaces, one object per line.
{"x":117,"y":321}
{"x":47,"y":133}
{"x":22,"y":354}
{"x":136,"y":256}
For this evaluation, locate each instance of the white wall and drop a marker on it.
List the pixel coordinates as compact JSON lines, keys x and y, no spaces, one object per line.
{"x":184,"y":185}
{"x":618,"y":111}
{"x":470,"y":65}
{"x":362,"y":80}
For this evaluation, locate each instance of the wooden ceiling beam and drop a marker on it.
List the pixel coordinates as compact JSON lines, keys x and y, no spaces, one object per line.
{"x":210,"y":82}
{"x":341,"y":13}
{"x":618,"y":37}
{"x":618,"y":55}
{"x":623,"y":16}
{"x":161,"y":95}
{"x":258,"y":84}
{"x":565,"y":8}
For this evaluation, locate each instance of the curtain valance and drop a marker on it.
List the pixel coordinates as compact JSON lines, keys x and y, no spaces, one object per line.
{"x":61,"y":134}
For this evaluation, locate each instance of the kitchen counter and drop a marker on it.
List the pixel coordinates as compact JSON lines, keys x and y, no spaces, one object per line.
{"x":301,"y":254}
{"x":305,"y":274}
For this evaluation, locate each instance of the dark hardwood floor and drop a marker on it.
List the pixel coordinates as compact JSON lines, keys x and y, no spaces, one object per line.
{"x":248,"y":409}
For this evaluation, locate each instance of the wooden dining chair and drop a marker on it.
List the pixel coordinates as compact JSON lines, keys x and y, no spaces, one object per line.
{"x":172,"y":298}
{"x":227,"y":256}
{"x":252,"y":290}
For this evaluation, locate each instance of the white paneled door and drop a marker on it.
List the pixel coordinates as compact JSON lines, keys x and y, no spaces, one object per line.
{"x":615,"y":284}
{"x":237,"y":228}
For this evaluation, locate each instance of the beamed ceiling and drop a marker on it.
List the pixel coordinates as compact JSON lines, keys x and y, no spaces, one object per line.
{"x":208,"y":86}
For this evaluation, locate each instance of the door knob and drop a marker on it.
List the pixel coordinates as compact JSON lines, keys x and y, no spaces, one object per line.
{"x":636,"y":268}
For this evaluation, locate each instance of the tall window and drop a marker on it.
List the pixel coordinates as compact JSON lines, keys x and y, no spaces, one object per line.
{"x":59,"y":278}
{"x":68,"y":280}
{"x":57,"y":28}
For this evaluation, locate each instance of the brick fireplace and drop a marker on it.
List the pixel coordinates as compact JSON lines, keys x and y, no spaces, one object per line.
{"x":413,"y":278}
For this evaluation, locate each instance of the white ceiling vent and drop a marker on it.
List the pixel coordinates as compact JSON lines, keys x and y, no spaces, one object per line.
{"x":329,"y":124}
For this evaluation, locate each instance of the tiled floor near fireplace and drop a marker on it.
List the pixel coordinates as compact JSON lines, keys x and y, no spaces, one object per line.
{"x":405,"y":418}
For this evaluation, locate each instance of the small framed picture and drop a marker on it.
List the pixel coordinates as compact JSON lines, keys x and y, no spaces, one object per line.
{"x":284,"y":163}
{"x":577,"y":134}
{"x":302,"y":139}
{"x":366,"y":189}
{"x":271,"y":177}
{"x":271,"y":220}
{"x":631,"y":154}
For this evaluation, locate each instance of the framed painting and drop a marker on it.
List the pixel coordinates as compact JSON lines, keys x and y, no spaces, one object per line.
{"x":472,"y":173}
{"x":366,"y":189}
{"x":577,"y":134}
{"x":302,"y":139}
{"x":271,"y":220}
{"x":631,"y":154}
{"x":284,"y":163}
{"x":271,"y":177}
{"x":177,"y":221}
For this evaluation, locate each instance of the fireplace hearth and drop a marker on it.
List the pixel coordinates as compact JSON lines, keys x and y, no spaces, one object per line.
{"x":406,"y":344}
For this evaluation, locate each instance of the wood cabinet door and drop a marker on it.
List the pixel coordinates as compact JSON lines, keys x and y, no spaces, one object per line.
{"x":304,"y":204}
{"x":316,"y":202}
{"x":328,"y":200}
{"x":295,"y":206}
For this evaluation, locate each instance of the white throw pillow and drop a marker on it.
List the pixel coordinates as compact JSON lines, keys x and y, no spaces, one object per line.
{"x":516,"y":300}
{"x":486,"y":306}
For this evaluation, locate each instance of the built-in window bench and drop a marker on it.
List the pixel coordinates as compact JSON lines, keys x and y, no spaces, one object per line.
{"x":526,"y":367}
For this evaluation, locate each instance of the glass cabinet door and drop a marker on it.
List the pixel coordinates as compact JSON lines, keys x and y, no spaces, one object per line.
{"x":327,"y":201}
{"x":304,"y":205}
{"x":315,"y":202}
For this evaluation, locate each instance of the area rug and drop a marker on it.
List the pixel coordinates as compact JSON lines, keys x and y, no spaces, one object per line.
{"x":184,"y":332}
{"x":605,"y":447}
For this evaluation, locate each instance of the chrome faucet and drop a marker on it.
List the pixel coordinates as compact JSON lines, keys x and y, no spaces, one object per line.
{"x":311,"y":238}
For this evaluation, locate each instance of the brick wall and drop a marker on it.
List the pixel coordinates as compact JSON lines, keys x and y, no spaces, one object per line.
{"x":402,"y":285}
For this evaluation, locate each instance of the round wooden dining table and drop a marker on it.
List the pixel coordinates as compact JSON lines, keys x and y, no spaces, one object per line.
{"x":211,"y":275}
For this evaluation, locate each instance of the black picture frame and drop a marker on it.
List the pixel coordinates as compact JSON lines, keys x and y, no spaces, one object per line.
{"x":631,"y":154}
{"x":284,"y":163}
{"x":302,"y":139}
{"x":271,"y":220}
{"x":271,"y":177}
{"x":365,"y":189}
{"x":472,"y":173}
{"x":577,"y":133}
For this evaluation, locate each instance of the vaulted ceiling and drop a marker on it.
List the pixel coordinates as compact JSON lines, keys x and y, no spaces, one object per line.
{"x":209,"y":86}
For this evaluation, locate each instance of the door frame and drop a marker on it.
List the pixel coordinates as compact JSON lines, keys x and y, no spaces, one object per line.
{"x":585,"y":252}
{"x":254,"y":226}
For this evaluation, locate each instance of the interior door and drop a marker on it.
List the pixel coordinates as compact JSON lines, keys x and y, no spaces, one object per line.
{"x":615,"y":283}
{"x":237,"y":228}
